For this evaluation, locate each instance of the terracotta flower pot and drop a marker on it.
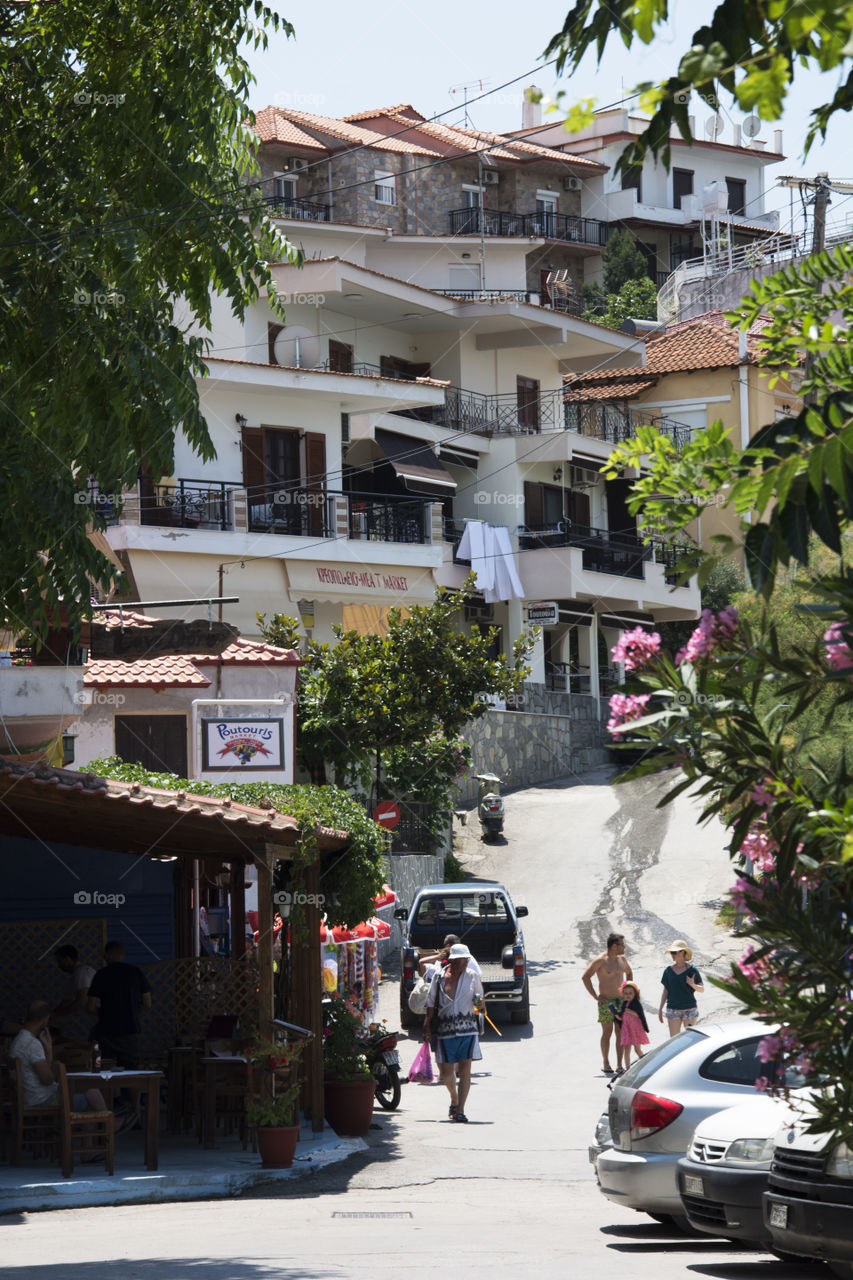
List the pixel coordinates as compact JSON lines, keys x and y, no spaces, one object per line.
{"x":276,"y":1147}
{"x":349,"y":1106}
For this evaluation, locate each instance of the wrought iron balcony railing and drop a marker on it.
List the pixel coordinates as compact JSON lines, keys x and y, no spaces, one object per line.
{"x":292,"y":510}
{"x":379,"y":519}
{"x":565,"y":227}
{"x":186,"y":504}
{"x":301,"y":210}
{"x":603,"y":551}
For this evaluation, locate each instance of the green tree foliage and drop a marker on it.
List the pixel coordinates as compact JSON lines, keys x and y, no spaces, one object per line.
{"x":349,"y":881}
{"x":398,"y":702}
{"x":750,"y":50}
{"x":125,"y":152}
{"x":746,"y":710}
{"x":636,"y":300}
{"x":623,"y":260}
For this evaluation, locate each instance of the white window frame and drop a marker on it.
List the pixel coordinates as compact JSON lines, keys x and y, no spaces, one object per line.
{"x":281,"y":177}
{"x":548,"y":195}
{"x":384,"y":180}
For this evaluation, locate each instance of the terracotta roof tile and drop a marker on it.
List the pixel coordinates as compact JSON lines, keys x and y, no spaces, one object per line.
{"x":611,"y":390}
{"x":275,"y":118}
{"x":169,"y":671}
{"x":244,"y":653}
{"x":696,"y":344}
{"x":401,"y":109}
{"x":271,"y":126}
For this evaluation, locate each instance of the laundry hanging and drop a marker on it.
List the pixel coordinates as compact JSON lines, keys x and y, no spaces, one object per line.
{"x":490,"y":552}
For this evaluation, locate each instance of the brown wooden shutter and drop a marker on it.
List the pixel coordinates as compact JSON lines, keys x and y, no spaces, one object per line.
{"x":533,"y":515}
{"x":578,"y":508}
{"x":340,"y":356}
{"x":315,"y":481}
{"x":254,"y":462}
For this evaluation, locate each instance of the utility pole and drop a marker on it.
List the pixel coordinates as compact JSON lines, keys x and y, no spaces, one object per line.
{"x":821,"y":200}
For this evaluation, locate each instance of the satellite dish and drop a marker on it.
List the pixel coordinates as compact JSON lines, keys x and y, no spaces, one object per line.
{"x":297,"y":347}
{"x":752,"y":126}
{"x":714,"y":126}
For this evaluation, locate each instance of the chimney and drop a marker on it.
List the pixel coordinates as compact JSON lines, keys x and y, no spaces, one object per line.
{"x":777,"y":141}
{"x":531,"y":112}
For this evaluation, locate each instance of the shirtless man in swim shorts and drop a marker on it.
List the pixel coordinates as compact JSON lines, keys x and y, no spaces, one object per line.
{"x":611,"y":969}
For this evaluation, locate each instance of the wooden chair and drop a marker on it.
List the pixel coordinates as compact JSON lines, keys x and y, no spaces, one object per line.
{"x":36,"y":1127}
{"x":83,"y":1133}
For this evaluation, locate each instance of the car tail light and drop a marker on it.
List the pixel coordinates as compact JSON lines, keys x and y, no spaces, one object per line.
{"x":408,"y":966}
{"x":519,"y":964}
{"x":650,"y":1114}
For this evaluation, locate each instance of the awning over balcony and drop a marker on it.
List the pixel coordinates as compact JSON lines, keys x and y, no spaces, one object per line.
{"x":416,"y":466}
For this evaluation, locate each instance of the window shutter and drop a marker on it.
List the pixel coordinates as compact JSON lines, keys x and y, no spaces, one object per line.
{"x":315,"y":481}
{"x":579,"y":509}
{"x":533,"y":517}
{"x":254,"y":466}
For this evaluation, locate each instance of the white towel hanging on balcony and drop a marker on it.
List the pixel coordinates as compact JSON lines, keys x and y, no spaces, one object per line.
{"x":490,"y":552}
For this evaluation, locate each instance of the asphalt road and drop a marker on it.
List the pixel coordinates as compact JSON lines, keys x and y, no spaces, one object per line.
{"x":511,"y":1194}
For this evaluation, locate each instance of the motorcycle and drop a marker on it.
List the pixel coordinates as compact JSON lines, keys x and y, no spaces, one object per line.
{"x":490,"y":807}
{"x":384,"y":1062}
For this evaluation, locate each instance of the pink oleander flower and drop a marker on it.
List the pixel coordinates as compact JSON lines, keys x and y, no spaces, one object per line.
{"x":625,"y":708}
{"x":762,"y":1084}
{"x":755,"y":971}
{"x":838,"y":653}
{"x":743,"y":892}
{"x":761,"y":796}
{"x":761,"y":848}
{"x":769,"y":1048}
{"x":714,"y":631}
{"x":636,"y":649}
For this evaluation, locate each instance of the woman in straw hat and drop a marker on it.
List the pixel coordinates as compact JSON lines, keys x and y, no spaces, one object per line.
{"x":456,"y":996}
{"x":681,"y":980}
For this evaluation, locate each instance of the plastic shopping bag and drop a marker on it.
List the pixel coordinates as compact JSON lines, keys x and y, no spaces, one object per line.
{"x":421,"y":1069}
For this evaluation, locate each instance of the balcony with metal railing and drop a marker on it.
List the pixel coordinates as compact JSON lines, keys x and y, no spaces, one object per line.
{"x":616,"y":421}
{"x":565,"y":227}
{"x":298,"y":209}
{"x":621,"y":554}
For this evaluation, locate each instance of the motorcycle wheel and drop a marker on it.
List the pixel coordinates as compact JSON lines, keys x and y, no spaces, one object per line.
{"x":388,"y":1089}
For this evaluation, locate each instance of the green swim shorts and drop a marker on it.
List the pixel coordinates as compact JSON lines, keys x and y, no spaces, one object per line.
{"x":605,"y":1013}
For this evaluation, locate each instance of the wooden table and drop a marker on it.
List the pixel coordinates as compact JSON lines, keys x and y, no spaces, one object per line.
{"x":147,"y":1082}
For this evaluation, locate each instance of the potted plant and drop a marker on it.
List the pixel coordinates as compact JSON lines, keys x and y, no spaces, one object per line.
{"x":348,"y":1086}
{"x":274,"y":1115}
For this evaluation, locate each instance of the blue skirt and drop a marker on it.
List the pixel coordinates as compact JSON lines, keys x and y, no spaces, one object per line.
{"x":458,"y":1049}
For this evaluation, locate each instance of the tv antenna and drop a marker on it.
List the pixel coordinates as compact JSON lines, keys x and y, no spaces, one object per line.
{"x":472,"y":85}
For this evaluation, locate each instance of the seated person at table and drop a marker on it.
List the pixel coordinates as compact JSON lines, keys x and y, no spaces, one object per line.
{"x":118,"y":993}
{"x":33,"y":1048}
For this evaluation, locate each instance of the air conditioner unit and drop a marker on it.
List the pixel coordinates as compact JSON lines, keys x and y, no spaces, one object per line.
{"x":572,"y":184}
{"x":582,"y":476}
{"x":479,"y":612}
{"x":296,"y":165}
{"x":491,"y":177}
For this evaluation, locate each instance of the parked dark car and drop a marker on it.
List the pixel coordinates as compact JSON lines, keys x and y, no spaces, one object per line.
{"x":808,"y":1204}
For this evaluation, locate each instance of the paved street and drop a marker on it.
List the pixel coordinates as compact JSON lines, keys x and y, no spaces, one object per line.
{"x":511,"y":1193}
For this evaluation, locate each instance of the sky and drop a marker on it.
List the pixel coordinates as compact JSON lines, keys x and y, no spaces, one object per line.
{"x":346,"y":57}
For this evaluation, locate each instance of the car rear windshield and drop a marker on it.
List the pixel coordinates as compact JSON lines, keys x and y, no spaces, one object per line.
{"x":649,"y":1063}
{"x":454,"y":912}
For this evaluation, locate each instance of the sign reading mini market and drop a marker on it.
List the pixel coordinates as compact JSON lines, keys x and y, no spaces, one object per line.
{"x":242,"y":746}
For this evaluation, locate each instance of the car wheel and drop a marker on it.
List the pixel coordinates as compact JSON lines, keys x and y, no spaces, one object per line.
{"x":520,"y":1013}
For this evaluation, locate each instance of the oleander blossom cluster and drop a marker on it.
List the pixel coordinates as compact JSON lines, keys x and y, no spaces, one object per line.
{"x":761,"y":848}
{"x":625,"y":708}
{"x":759,"y":971}
{"x":788,"y":1053}
{"x":838,"y":652}
{"x":636,"y":649}
{"x":715,"y":631}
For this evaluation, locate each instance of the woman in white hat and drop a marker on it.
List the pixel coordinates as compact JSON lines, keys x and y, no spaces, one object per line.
{"x":455,"y":995}
{"x":681,"y":980}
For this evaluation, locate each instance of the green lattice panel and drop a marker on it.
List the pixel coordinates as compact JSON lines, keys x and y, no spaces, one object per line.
{"x":185,"y":995}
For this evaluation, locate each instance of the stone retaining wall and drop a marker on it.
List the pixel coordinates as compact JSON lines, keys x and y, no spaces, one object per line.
{"x":526,"y":747}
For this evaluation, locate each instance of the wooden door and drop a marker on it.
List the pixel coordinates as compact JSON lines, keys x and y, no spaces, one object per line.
{"x":158,"y":743}
{"x":340,"y":356}
{"x":527,"y":397}
{"x":315,"y":483}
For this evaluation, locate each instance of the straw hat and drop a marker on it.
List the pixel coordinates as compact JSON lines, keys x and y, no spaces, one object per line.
{"x":680,"y":945}
{"x":633,"y":987}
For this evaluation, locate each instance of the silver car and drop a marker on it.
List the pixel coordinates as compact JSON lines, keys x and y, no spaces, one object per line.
{"x":656,"y":1105}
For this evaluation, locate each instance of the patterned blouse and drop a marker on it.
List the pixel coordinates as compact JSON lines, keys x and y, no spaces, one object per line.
{"x":456,"y":1015}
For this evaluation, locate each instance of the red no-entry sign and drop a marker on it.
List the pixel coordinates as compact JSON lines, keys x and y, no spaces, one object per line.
{"x":387,"y":814}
